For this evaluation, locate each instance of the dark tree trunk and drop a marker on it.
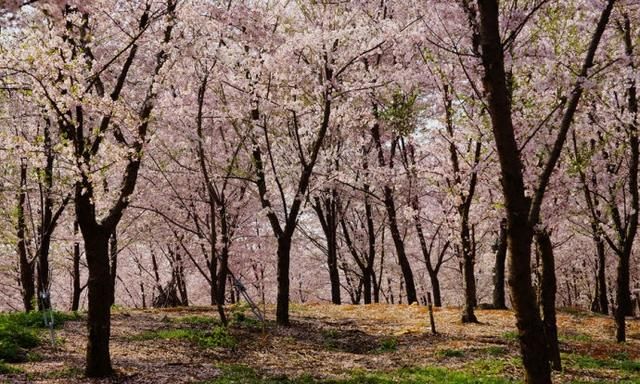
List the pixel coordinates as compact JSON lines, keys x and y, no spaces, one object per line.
{"x":623,"y":296}
{"x":327,"y":210}
{"x":369,"y":274}
{"x":100,"y":291}
{"x":528,"y":321}
{"x":467,"y":239}
{"x":332,"y":263}
{"x":426,"y":254}
{"x":77,"y":288}
{"x":628,"y":233}
{"x":548,"y":297}
{"x":468,"y":276}
{"x":180,"y":279}
{"x":600,"y":303}
{"x":377,"y":277}
{"x":500,"y":248}
{"x":398,"y":242}
{"x":26,"y":265}
{"x":49,"y":221}
{"x":366,"y":286}
{"x":282,"y":304}
{"x":223,"y":273}
{"x":390,"y":206}
{"x":435,"y":286}
{"x":44,"y":301}
{"x":143,"y":293}
{"x":522,"y":212}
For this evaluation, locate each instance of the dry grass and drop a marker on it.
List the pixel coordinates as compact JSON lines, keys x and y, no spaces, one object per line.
{"x":328,"y":341}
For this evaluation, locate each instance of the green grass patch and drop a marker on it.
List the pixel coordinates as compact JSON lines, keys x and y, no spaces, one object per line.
{"x":574,"y":336}
{"x":19,"y":332}
{"x":450,"y":353}
{"x":577,"y":312}
{"x":63,"y":373}
{"x":330,"y":338}
{"x":510,"y":336}
{"x":6,"y":369}
{"x":496,"y":350}
{"x":491,"y":367}
{"x":388,"y":344}
{"x":217,"y":337}
{"x":36,"y":319}
{"x":242,"y":320}
{"x":620,"y":362}
{"x":238,"y":374}
{"x":198,"y":320}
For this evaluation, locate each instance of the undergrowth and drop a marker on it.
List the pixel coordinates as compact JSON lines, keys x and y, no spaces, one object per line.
{"x":216,"y":337}
{"x":239,"y":374}
{"x":20,"y":332}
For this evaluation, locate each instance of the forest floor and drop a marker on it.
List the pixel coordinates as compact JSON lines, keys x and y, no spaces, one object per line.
{"x":329,"y":344}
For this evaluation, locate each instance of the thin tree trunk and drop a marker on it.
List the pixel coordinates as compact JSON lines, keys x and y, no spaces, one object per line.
{"x":600,"y":302}
{"x":499,"y":301}
{"x":44,"y":301}
{"x":398,"y":242}
{"x":77,"y":290}
{"x":26,"y":265}
{"x":182,"y":284}
{"x":369,"y":274}
{"x":468,"y":276}
{"x":48,"y":223}
{"x":223,"y":272}
{"x":548,"y":296}
{"x":327,"y":212}
{"x":332,"y":263}
{"x":466,"y":197}
{"x":435,"y":286}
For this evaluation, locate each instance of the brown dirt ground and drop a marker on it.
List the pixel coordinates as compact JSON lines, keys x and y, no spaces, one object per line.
{"x":324,"y":341}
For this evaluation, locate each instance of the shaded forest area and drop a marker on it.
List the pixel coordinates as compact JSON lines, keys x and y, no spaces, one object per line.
{"x":475,"y":158}
{"x":327,"y":344}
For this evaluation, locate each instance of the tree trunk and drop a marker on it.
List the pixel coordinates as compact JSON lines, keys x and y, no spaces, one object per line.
{"x":223,"y":272}
{"x":100,"y":292}
{"x":398,"y":242}
{"x":26,"y":265}
{"x":327,"y":210}
{"x":366,"y":286}
{"x":369,"y":274}
{"x":600,"y":302}
{"x":468,"y":276}
{"x":48,"y":223}
{"x":77,"y":289}
{"x":182,"y":284}
{"x":628,"y":234}
{"x":282,"y":305}
{"x":332,"y":263}
{"x":435,"y":286}
{"x":530,"y":328}
{"x":44,"y":301}
{"x":499,"y":301}
{"x":548,"y":296}
{"x":623,"y":296}
{"x":113,"y":268}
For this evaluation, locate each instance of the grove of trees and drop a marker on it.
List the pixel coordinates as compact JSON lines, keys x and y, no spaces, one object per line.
{"x":169,"y":152}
